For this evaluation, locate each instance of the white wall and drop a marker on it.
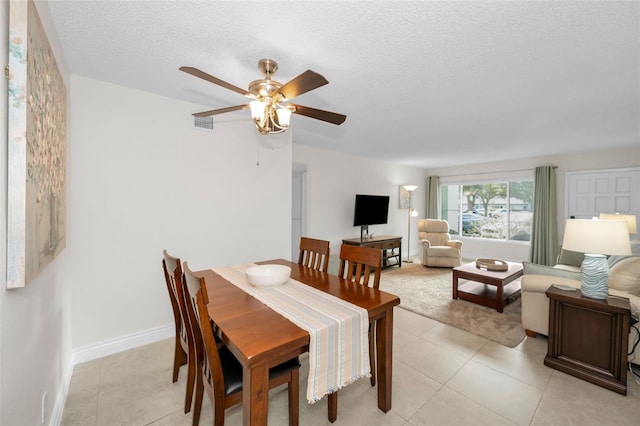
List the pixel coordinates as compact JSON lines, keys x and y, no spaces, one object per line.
{"x":35,"y":324}
{"x":140,"y":179}
{"x":518,"y":251}
{"x":143,"y":179}
{"x":333,"y":180}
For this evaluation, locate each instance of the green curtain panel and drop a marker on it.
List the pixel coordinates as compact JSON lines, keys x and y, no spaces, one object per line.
{"x":433,"y":198}
{"x":544,"y":229}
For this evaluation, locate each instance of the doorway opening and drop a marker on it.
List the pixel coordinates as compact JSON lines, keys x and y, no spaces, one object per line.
{"x":298,"y":209}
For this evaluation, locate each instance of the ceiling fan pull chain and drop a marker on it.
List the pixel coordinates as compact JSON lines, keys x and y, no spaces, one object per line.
{"x":257,"y":154}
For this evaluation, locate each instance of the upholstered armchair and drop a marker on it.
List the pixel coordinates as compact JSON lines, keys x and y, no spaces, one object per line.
{"x":436,"y":246}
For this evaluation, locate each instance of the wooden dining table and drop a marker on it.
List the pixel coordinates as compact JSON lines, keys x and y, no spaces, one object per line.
{"x":260,"y":338}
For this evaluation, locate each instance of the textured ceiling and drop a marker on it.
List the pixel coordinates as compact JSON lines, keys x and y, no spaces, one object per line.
{"x":430,"y":84}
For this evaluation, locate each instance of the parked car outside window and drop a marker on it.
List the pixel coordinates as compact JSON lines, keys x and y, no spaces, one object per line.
{"x":471,"y":223}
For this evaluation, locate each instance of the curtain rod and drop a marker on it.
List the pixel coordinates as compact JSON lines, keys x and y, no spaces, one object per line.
{"x":486,"y":173}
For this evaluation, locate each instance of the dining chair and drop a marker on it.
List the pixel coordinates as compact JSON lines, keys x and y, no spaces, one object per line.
{"x":356,"y":264}
{"x":314,"y":254}
{"x":363,"y":265}
{"x":219,"y":372}
{"x":183,"y":351}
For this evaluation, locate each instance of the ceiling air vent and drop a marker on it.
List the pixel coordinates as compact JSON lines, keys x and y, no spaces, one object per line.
{"x":203,"y":122}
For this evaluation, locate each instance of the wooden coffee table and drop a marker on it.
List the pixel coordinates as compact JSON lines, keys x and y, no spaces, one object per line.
{"x":487,"y":288}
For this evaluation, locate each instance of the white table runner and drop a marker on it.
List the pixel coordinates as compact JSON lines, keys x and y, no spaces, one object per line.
{"x":338,"y":330}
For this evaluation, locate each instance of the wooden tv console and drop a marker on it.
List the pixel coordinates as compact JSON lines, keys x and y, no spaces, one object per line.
{"x":391,"y":247}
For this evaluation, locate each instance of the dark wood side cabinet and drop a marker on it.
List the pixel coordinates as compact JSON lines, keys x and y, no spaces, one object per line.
{"x":391,"y":247}
{"x":588,"y":338}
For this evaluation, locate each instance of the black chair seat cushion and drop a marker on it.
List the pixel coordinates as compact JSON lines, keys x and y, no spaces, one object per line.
{"x":232,"y":370}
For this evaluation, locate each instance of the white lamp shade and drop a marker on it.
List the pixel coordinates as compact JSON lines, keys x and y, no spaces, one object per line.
{"x":610,"y":237}
{"x":630,"y":219}
{"x":257,"y":110}
{"x":410,"y":188}
{"x":284,"y":116}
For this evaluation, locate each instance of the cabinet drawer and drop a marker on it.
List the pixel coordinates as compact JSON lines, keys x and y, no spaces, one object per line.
{"x":385,"y":245}
{"x":389,"y":245}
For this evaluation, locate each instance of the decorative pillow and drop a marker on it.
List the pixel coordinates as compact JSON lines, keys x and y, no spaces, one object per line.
{"x":625,"y":275}
{"x":569,"y":268}
{"x":535,"y":269}
{"x":568,"y":257}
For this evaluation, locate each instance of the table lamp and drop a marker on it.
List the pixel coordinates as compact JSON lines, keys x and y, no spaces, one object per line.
{"x":630,"y":219}
{"x":596,"y":238}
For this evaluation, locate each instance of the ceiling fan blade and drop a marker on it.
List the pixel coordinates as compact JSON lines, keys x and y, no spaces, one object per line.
{"x":303,"y":83}
{"x":220,"y":111}
{"x":203,"y":75}
{"x":318,"y":114}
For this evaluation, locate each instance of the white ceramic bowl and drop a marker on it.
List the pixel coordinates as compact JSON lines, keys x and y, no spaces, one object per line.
{"x":268,"y":275}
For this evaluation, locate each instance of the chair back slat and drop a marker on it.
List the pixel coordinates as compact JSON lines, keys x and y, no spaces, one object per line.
{"x":184,"y":351}
{"x":357,"y":263}
{"x":314,"y":253}
{"x":173,"y":277}
{"x":206,"y":347}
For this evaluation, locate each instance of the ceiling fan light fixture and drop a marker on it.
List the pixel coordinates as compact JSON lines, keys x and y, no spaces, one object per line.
{"x":269,"y":117}
{"x":284,"y":116}
{"x":257,"y":110}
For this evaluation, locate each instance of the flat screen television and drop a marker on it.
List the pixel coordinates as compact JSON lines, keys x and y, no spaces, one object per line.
{"x":370,"y":210}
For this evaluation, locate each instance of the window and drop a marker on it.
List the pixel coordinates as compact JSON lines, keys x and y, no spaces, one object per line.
{"x":497,"y":210}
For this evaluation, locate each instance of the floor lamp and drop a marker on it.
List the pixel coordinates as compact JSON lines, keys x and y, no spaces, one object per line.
{"x":412,"y":213}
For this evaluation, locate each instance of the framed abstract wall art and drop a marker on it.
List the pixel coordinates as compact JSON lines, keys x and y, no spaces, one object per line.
{"x":36,"y":151}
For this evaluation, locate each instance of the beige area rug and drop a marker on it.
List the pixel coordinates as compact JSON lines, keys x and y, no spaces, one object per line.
{"x":427,"y":291}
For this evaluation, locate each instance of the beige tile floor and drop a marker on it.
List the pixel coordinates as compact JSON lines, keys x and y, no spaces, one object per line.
{"x":441,"y":376}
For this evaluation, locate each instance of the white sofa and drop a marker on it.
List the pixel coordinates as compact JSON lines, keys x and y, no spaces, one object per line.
{"x":624,"y":281}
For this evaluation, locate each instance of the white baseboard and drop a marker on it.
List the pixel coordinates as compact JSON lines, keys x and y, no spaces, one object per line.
{"x":63,"y":389}
{"x":130,"y":341}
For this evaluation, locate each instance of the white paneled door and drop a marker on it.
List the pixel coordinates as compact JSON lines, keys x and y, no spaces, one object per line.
{"x":590,"y":193}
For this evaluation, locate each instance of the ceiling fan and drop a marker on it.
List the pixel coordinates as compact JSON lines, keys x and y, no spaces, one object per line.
{"x":270,"y":107}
